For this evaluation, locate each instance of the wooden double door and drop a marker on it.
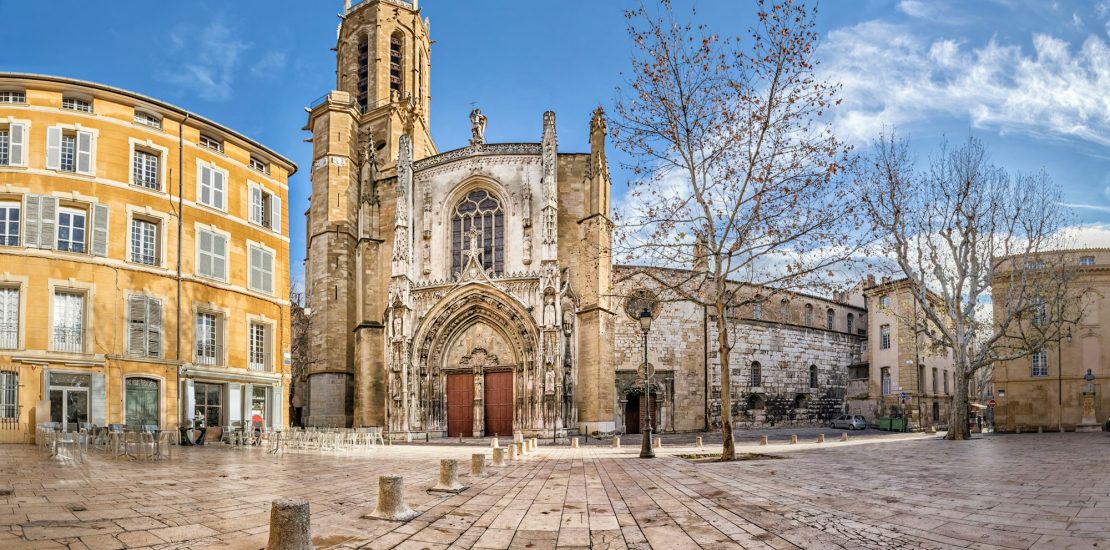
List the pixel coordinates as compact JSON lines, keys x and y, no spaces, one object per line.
{"x":497,"y":404}
{"x":634,"y":411}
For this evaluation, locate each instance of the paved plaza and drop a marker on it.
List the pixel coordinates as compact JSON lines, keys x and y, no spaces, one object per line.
{"x":892,"y":491}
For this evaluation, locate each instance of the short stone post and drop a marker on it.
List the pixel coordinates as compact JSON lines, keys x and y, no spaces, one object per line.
{"x":520,"y":449}
{"x":493,"y":443}
{"x":499,"y":456}
{"x":460,"y":439}
{"x":697,"y":442}
{"x":793,"y":439}
{"x":391,"y":500}
{"x":478,"y":465}
{"x":844,"y":436}
{"x":658,"y":442}
{"x":820,"y":438}
{"x":574,"y":443}
{"x":512,"y":452}
{"x":762,"y":440}
{"x":290,"y":528}
{"x":1040,"y":429}
{"x":616,"y":442}
{"x":518,"y":436}
{"x":449,"y":477}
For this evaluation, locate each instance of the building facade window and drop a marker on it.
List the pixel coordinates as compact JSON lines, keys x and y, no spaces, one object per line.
{"x":261,"y":270}
{"x":212,"y":186}
{"x":9,"y":395}
{"x":147,"y":119}
{"x":784,"y":310}
{"x":259,"y":166}
{"x":145,"y":170}
{"x":946,"y":383}
{"x":12,"y":96}
{"x":71,"y":229}
{"x":144,"y":326}
{"x":1086,"y":261}
{"x":1039,"y":361}
{"x":9,"y":223}
{"x":209,"y":142}
{"x":921,"y":379}
{"x":757,"y":311}
{"x":885,"y":380}
{"x":830,"y":319}
{"x":13,"y":142}
{"x":70,"y":150}
{"x":69,"y":322}
{"x":144,"y":241}
{"x":850,"y":323}
{"x":259,"y":348}
{"x":209,"y":399}
{"x":363,"y":72}
{"x":141,"y":402}
{"x":265,"y":208}
{"x":809,"y":315}
{"x":884,"y":301}
{"x":813,"y":376}
{"x":69,"y":399}
{"x":396,"y":63}
{"x":478,"y":218}
{"x":757,"y":375}
{"x":211,"y":254}
{"x":1039,"y":313}
{"x":208,"y":333}
{"x":9,"y":317}
{"x":260,"y":406}
{"x":884,"y":337}
{"x":77,"y":104}
{"x":936,"y":382}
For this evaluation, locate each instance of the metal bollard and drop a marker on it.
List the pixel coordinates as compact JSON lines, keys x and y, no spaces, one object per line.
{"x":697,"y":442}
{"x":762,"y":440}
{"x":820,"y":438}
{"x":616,"y":442}
{"x":290,"y":528}
{"x":499,"y":456}
{"x":449,"y":477}
{"x":391,"y":500}
{"x":478,"y":465}
{"x":793,"y":439}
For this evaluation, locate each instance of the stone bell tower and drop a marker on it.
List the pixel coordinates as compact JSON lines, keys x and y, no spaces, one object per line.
{"x":382,"y":92}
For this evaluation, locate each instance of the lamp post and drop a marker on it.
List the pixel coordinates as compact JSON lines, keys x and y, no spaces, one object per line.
{"x":568,"y":328}
{"x":646,"y":372}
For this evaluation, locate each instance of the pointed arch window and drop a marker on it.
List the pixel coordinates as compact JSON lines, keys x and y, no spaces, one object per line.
{"x":757,"y":375}
{"x":479,"y":212}
{"x":813,"y":376}
{"x":363,"y":72}
{"x":396,"y":63}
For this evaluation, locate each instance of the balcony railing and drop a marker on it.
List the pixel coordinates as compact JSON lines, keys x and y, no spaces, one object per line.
{"x":208,"y":354}
{"x":69,"y":339}
{"x":9,"y":336}
{"x":260,"y":367}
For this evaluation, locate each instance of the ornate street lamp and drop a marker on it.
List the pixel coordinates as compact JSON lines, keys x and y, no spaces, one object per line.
{"x":568,"y":329}
{"x":647,"y":372}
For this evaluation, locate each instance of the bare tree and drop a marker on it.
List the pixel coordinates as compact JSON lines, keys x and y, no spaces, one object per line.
{"x":981,"y":249}
{"x":299,"y":349}
{"x":735,"y":171}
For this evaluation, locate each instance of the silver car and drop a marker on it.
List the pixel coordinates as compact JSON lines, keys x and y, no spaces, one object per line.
{"x":850,"y":422}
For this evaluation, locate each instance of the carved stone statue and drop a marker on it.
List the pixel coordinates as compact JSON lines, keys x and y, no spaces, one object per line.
{"x":477,"y":127}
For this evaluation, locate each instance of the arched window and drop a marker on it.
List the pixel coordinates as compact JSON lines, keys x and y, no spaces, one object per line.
{"x":813,"y":376}
{"x":851,"y":322}
{"x":757,"y":376}
{"x":481,"y":213}
{"x":784,"y":310}
{"x":396,"y":63}
{"x":830,"y":319}
{"x":363,"y":71}
{"x":809,"y":315}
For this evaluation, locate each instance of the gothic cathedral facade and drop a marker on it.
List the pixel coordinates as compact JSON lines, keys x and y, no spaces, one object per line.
{"x":464,"y":292}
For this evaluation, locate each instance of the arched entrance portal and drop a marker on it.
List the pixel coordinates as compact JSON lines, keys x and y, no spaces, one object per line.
{"x":634,"y":412}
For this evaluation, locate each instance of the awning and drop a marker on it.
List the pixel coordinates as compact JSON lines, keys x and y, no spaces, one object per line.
{"x":978,"y":406}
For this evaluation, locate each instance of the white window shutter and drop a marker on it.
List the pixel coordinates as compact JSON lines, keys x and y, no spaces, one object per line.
{"x":204,"y":182}
{"x":219,"y":256}
{"x":53,"y":148}
{"x":84,"y":152}
{"x":255,"y":269}
{"x":31,"y":222}
{"x":256,"y":204}
{"x":17,"y":137}
{"x":99,"y":230}
{"x":218,"y":189}
{"x":275,"y":213}
{"x":48,"y":222}
{"x":204,"y":253}
{"x":136,"y":325}
{"x":154,"y":327}
{"x":267,"y":271}
{"x":98,"y":400}
{"x":267,"y":348}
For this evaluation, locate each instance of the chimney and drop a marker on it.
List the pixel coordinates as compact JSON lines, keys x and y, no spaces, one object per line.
{"x":870,"y":280}
{"x":701,"y":254}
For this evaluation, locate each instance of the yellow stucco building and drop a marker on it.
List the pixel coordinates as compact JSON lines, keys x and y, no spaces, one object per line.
{"x":143,"y":263}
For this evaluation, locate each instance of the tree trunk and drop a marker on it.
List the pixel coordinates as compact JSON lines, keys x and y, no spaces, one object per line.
{"x":728,"y":446}
{"x":957,"y":417}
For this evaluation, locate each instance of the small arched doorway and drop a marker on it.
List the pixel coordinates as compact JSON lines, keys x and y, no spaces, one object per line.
{"x":634,"y":411}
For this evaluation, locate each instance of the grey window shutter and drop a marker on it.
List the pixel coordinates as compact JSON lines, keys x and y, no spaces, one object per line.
{"x":17,"y":139}
{"x":84,"y":152}
{"x":53,"y":148}
{"x":98,"y":401}
{"x":219,"y":256}
{"x":205,"y":177}
{"x":31,"y":222}
{"x":154,"y":327}
{"x":218,"y":189}
{"x":275,"y":213}
{"x":48,"y":222}
{"x":136,"y":325}
{"x":99,"y":230}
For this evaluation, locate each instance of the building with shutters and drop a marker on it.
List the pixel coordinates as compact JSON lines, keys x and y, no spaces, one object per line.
{"x":143,"y":263}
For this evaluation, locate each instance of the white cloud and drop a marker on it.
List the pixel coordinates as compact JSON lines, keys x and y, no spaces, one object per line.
{"x":891,"y":77}
{"x":269,"y":64}
{"x":204,"y":61}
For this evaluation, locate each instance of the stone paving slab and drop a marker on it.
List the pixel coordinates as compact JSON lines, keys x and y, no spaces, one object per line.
{"x":1032,"y":491}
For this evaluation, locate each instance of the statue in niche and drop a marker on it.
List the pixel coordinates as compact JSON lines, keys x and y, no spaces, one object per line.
{"x":549,"y":318}
{"x":477,"y":127}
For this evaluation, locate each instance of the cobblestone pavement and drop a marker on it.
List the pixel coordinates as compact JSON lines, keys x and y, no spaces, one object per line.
{"x":901,"y":491}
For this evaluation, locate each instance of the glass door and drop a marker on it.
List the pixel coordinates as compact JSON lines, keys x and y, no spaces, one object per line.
{"x":69,"y":400}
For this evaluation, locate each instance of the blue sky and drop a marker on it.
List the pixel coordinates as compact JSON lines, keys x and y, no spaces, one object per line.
{"x":1029,"y":77}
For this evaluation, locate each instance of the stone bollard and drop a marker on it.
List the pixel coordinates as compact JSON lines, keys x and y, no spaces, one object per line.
{"x":512,"y":452}
{"x":460,"y":439}
{"x":449,"y":477}
{"x":574,"y":443}
{"x":493,"y":443}
{"x":520,"y":449}
{"x":616,"y":442}
{"x":290,"y":528}
{"x":844,"y":436}
{"x":697,"y":442}
{"x":478,"y":465}
{"x":793,"y":439}
{"x":762,"y":440}
{"x":535,"y":443}
{"x":518,"y":436}
{"x":1018,"y":429}
{"x":391,"y":500}
{"x":1040,"y":429}
{"x":658,"y":441}
{"x":499,"y":456}
{"x":820,"y":438}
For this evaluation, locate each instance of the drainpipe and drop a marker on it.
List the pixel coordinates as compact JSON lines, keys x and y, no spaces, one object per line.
{"x":180,"y":226}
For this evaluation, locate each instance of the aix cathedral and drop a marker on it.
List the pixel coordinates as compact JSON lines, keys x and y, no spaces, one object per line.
{"x":471,"y":291}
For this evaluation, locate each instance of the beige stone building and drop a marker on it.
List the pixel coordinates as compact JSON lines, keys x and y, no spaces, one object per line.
{"x":1045,"y":389}
{"x":143,"y":263}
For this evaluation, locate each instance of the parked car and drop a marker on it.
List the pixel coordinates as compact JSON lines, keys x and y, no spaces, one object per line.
{"x":850,"y":422}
